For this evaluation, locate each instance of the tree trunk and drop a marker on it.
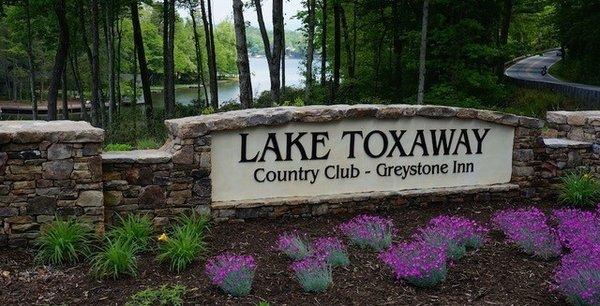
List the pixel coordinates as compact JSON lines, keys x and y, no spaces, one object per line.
{"x":423,"y":52}
{"x":199,"y":65}
{"x":172,"y":57}
{"x":65,"y":95}
{"x":347,"y":46}
{"x":324,"y":45}
{"x":397,"y":48}
{"x":139,"y":45}
{"x":97,"y":104}
{"x":273,"y":55}
{"x":337,"y":38}
{"x":95,"y":80}
{"x":210,"y":49}
{"x":60,"y":59}
{"x":242,"y":55}
{"x":310,"y":49}
{"x":118,"y":65}
{"x":31,"y":63}
{"x":283,"y":61}
{"x":135,"y":72}
{"x":110,"y":49}
{"x":167,"y":58}
{"x":506,"y":18}
{"x":75,"y":71}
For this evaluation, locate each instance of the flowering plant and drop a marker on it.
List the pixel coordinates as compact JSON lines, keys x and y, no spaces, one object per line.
{"x":578,"y":276}
{"x":333,"y":249}
{"x":453,"y":234}
{"x":232,"y":273}
{"x":418,"y":263}
{"x":529,"y":230}
{"x":294,"y":246}
{"x":369,"y":231}
{"x":577,"y":229}
{"x":313,"y":273}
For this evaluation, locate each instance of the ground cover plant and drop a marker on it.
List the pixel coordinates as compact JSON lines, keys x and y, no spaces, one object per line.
{"x":577,"y":229}
{"x":313,"y":273}
{"x":182,"y":247}
{"x":580,"y":189}
{"x":64,"y":241}
{"x":578,"y":276}
{"x":369,"y":231}
{"x":529,"y":229}
{"x":135,"y":229}
{"x":333,"y":249}
{"x":165,"y":295}
{"x":420,"y":264}
{"x":232,"y":273}
{"x":293,"y":245}
{"x":117,"y":257}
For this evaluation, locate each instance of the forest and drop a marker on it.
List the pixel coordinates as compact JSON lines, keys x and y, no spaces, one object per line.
{"x":107,"y":55}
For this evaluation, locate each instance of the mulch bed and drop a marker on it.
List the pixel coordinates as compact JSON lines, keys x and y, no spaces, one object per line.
{"x":496,"y":274}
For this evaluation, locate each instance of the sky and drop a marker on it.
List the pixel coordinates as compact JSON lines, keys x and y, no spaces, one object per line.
{"x":222,"y":9}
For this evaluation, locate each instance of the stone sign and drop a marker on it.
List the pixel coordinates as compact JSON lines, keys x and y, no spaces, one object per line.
{"x":362,"y":155}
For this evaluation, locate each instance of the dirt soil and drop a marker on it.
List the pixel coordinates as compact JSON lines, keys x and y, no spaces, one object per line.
{"x":496,"y":274}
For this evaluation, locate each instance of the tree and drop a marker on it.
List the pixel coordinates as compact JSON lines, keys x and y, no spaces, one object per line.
{"x":324,"y":43}
{"x":423,"y":51}
{"x":242,"y":55}
{"x":31,"y":62}
{"x":212,"y":57}
{"x":141,"y":55}
{"x":198,"y":51}
{"x":60,"y":60}
{"x":310,"y":47}
{"x":90,"y":55}
{"x":337,"y":52}
{"x":168,"y":57}
{"x":273,"y":55}
{"x":97,"y":104}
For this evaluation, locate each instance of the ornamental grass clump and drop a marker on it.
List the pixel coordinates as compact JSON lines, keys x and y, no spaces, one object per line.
{"x":577,"y":229}
{"x":333,"y":249}
{"x":232,"y":273}
{"x":181,"y":248}
{"x":580,"y":189}
{"x":369,"y":231}
{"x":453,"y":234}
{"x":417,"y":263}
{"x":578,"y":276}
{"x":293,"y":245}
{"x":528,"y":228}
{"x":135,"y":229}
{"x":116,"y":258}
{"x":313,"y":273}
{"x":63,"y":241}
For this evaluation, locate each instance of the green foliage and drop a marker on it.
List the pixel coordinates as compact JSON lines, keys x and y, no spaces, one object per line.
{"x":263,"y":303}
{"x":535,"y":103}
{"x":63,"y":241}
{"x":198,"y":223}
{"x":207,"y":111}
{"x":580,"y":189}
{"x":147,"y":143}
{"x":575,"y":70}
{"x":116,"y":258}
{"x":165,"y":295}
{"x":184,"y":245}
{"x":111,"y":147}
{"x":135,"y":229}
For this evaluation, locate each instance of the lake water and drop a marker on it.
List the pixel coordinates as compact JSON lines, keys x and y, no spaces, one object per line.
{"x":229,"y":90}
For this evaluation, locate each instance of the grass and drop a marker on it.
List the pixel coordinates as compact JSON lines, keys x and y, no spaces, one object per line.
{"x":134,"y":228}
{"x":64,"y":241}
{"x":535,"y":103}
{"x":580,"y":189}
{"x":197,"y":222}
{"x":147,"y":143}
{"x":118,"y":147}
{"x":115,"y":259}
{"x":183,"y":246}
{"x":165,"y":295}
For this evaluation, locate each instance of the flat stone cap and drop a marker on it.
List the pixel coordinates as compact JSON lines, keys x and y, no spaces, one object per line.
{"x":557,"y":143}
{"x":29,"y":131}
{"x":574,"y":118}
{"x":137,"y":156}
{"x":192,"y":127}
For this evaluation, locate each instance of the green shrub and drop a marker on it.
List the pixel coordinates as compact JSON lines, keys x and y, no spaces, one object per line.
{"x":63,"y":241}
{"x":580,"y":189}
{"x":182,"y":248}
{"x":147,"y":143}
{"x":196,"y":222}
{"x":118,"y":147}
{"x":535,"y":103}
{"x":165,"y":295}
{"x":116,"y":258}
{"x":134,"y":228}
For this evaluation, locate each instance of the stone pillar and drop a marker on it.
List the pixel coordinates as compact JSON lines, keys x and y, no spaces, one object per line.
{"x":48,"y":169}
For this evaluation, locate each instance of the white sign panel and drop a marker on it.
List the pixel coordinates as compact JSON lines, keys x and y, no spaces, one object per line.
{"x":362,"y":155}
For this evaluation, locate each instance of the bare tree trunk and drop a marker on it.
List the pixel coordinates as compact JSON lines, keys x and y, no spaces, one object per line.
{"x":65,"y":95}
{"x":96,"y":120}
{"x":397,"y":47}
{"x":210,"y":49}
{"x":135,"y":72}
{"x":60,"y":59}
{"x":506,"y":19}
{"x":337,"y":38}
{"x":110,"y":49}
{"x":273,"y":55}
{"x":172,"y":17}
{"x":283,"y":62}
{"x":139,"y":45}
{"x":423,"y":52}
{"x":31,"y":64}
{"x":324,"y":45}
{"x":242,"y":55}
{"x":75,"y":71}
{"x":199,"y":65}
{"x":167,"y":58}
{"x":351,"y":68}
{"x":310,"y":48}
{"x":118,"y":64}
{"x":97,"y":103}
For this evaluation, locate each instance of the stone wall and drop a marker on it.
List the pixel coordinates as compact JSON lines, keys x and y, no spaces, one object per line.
{"x":581,"y":126}
{"x":48,"y":169}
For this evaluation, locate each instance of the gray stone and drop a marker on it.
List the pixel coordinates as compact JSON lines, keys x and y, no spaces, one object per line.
{"x":3,"y":160}
{"x":30,"y":154}
{"x":152,"y":197}
{"x":90,"y":198}
{"x":59,"y":151}
{"x":137,"y":156}
{"x":57,"y":170}
{"x":184,"y":156}
{"x":41,"y":205}
{"x":8,"y":211}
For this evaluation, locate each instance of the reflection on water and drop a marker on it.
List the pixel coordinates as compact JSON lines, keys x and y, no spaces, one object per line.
{"x":230,"y":90}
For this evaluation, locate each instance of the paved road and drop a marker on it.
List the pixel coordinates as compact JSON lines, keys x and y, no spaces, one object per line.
{"x":530,"y":69}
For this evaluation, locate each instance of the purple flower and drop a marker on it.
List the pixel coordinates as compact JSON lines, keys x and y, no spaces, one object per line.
{"x":418,"y":263}
{"x":528,"y":228}
{"x":292,"y":245}
{"x":313,"y":273}
{"x":369,"y":231}
{"x":578,"y":276}
{"x":333,"y":249}
{"x":232,"y":273}
{"x":577,"y":229}
{"x":453,"y":234}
